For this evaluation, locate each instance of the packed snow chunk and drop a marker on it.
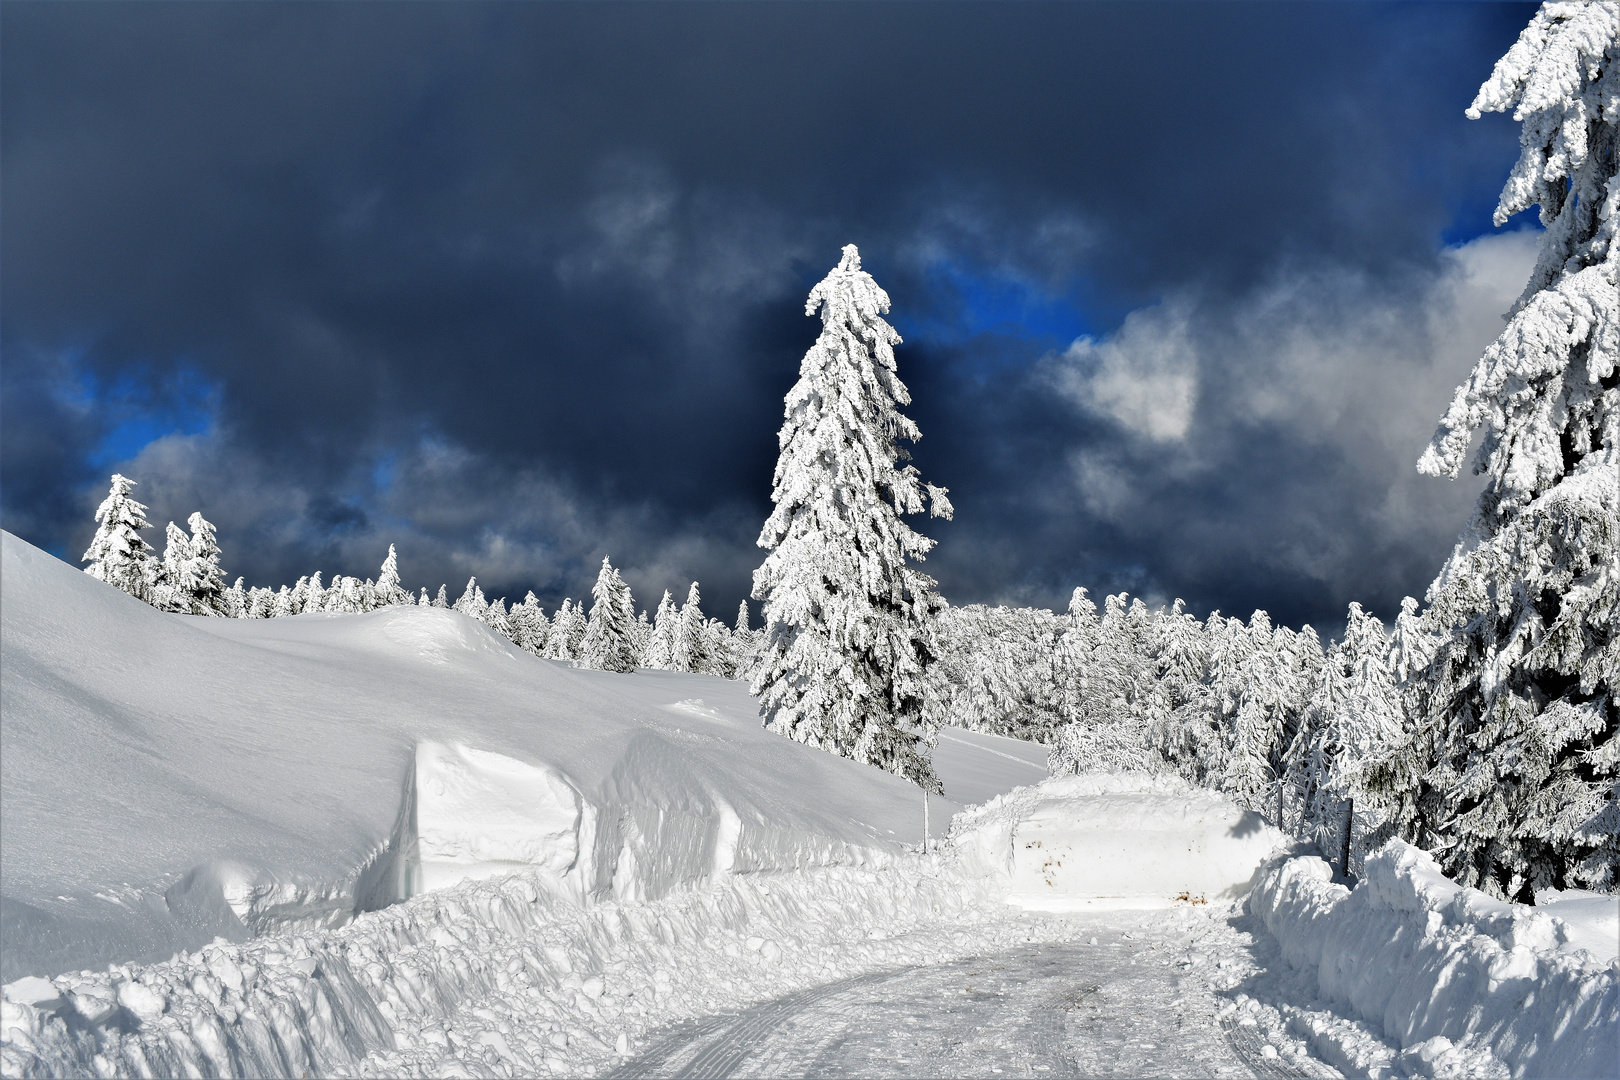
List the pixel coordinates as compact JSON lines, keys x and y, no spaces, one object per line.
{"x":1438,"y":965}
{"x":1115,"y":840}
{"x":469,"y":814}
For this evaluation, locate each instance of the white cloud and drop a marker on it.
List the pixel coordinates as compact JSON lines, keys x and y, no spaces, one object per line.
{"x":1283,"y":431}
{"x":1145,"y":375}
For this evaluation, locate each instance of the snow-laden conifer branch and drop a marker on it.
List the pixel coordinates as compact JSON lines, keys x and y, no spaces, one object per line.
{"x":1511,"y":772}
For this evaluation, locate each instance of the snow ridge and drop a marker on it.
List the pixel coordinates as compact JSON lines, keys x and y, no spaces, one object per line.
{"x":492,"y":978}
{"x":1447,"y":970}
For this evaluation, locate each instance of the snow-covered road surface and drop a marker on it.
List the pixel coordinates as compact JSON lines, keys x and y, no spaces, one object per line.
{"x":1120,"y":1007}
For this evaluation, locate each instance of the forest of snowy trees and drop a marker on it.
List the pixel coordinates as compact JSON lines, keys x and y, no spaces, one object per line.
{"x":187,"y":579}
{"x":1483,"y":726}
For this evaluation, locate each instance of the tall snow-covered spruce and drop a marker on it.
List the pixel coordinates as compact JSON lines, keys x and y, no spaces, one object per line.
{"x":1513,"y":772}
{"x":847,"y":616}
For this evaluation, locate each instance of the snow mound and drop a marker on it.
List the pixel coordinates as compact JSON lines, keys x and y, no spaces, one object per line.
{"x":1114,"y":840}
{"x":1450,"y":973}
{"x":168,"y":780}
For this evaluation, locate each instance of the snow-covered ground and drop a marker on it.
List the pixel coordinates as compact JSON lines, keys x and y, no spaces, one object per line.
{"x":391,"y":844}
{"x":170,"y":779}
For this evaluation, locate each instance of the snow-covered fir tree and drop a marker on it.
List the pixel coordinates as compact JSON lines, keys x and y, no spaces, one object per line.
{"x":1182,"y":732}
{"x":442,"y":600}
{"x":848,"y":634}
{"x":660,"y":647}
{"x":472,"y":602}
{"x":388,"y":589}
{"x":422,"y":600}
{"x":719,"y":658}
{"x":529,"y":625}
{"x":567,"y":631}
{"x":204,"y":580}
{"x":236,"y":600}
{"x":118,"y":554}
{"x":495,"y":617}
{"x":610,"y":631}
{"x":642,"y":635}
{"x":689,"y":647}
{"x":314,"y":594}
{"x":1514,"y":773}
{"x":166,"y":585}
{"x":1108,"y":729}
{"x":1353,"y":718}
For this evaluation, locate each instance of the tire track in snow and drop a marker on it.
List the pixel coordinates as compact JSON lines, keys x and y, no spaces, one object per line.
{"x":722,"y":1042}
{"x":1068,"y":1010}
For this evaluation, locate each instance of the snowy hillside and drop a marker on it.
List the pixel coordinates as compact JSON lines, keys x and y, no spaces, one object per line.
{"x":168,"y":779}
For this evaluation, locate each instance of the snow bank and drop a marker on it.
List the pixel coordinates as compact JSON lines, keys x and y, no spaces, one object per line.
{"x":1449,"y":973}
{"x":1114,"y":840}
{"x":491,"y":978}
{"x":167,"y":780}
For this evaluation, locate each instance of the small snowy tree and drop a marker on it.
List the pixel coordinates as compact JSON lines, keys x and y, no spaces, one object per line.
{"x":236,"y":600}
{"x":689,"y":650}
{"x":661,"y":643}
{"x":529,"y":624}
{"x":117,"y":553}
{"x":167,"y":587}
{"x":1522,"y":728}
{"x":204,"y":580}
{"x":472,"y":602}
{"x":495,"y":617}
{"x":1353,"y":719}
{"x":847,"y":615}
{"x":609,"y":642}
{"x":314,"y":594}
{"x":388,"y":588}
{"x":1182,"y":732}
{"x":567,"y":631}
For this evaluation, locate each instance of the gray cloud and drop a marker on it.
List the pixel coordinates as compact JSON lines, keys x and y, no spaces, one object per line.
{"x":516,"y":284}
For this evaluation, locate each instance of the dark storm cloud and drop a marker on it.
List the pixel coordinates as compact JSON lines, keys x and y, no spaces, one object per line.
{"x":517,"y":284}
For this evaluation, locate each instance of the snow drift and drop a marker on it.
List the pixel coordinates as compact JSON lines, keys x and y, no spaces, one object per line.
{"x":1448,"y":972}
{"x":1114,"y":840}
{"x":166,"y":780}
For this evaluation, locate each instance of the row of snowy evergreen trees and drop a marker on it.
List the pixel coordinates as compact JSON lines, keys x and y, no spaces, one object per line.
{"x":611,"y":636}
{"x":1264,"y":713}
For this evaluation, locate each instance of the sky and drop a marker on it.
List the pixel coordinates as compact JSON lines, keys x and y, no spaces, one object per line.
{"x":1184,"y":288}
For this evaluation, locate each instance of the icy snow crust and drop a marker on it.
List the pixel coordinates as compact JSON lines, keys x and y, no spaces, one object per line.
{"x":1468,"y":984}
{"x":167,"y":779}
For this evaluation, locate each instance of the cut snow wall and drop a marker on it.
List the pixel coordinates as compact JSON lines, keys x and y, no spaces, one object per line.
{"x":1425,"y":958}
{"x":468,"y":814}
{"x":663,"y":825}
{"x":656,"y":825}
{"x":1115,"y":840}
